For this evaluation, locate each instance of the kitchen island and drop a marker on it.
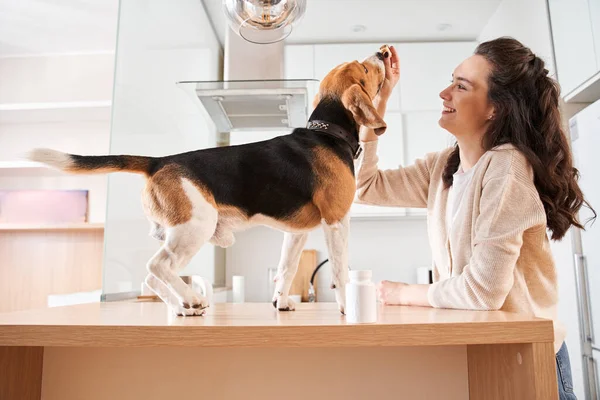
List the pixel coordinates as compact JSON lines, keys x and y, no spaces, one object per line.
{"x":137,"y":350}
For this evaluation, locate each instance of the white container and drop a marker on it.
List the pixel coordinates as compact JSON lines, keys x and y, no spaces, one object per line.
{"x":202,"y":285}
{"x":361,"y":298}
{"x":296,"y":298}
{"x":423,"y":275}
{"x":237,"y":286}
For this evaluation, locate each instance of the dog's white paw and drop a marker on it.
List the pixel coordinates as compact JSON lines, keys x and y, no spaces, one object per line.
{"x":194,"y":302}
{"x":191,"y":299}
{"x":196,"y":308}
{"x":189,"y":312}
{"x":340,"y":298}
{"x":284,"y":303}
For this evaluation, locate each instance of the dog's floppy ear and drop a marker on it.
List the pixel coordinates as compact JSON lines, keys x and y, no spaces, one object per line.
{"x":356,"y":100}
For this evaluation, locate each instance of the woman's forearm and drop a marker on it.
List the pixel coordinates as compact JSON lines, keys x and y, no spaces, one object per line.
{"x":403,"y":294}
{"x":416,"y":295}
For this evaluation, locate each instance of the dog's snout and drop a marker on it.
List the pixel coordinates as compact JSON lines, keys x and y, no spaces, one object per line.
{"x":379,"y":55}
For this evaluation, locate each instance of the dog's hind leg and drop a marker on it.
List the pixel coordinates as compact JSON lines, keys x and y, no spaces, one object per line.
{"x":293,"y":243}
{"x":336,"y":237}
{"x":162,"y":291}
{"x":157,"y":231}
{"x":182,"y":242}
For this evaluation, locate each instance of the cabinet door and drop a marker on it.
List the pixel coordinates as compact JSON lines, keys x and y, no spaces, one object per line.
{"x":423,"y":135}
{"x":329,"y":56}
{"x":390,"y":150}
{"x":426,"y":69}
{"x":236,"y":138}
{"x":573,"y":42}
{"x":595,"y":22}
{"x":298,"y":62}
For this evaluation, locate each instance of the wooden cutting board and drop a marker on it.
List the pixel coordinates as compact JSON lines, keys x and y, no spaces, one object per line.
{"x":301,"y":282}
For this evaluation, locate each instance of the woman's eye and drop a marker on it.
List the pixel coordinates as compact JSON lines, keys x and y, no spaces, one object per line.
{"x":458,"y":85}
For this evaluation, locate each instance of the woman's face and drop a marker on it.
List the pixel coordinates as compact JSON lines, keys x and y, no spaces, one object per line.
{"x":467,"y":110}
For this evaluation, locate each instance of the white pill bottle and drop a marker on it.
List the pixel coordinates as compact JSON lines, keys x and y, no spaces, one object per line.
{"x":361,"y":298}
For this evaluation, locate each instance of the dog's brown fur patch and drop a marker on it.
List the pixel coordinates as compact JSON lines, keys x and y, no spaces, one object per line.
{"x":339,"y":79}
{"x":307,"y":217}
{"x":227,"y":211}
{"x":164,"y":199}
{"x":356,"y":84}
{"x":335,"y":189}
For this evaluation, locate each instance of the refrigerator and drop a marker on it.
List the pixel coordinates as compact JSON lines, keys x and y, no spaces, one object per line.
{"x":585,"y":140}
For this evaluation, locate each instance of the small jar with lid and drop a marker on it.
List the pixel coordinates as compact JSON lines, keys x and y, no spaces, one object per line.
{"x":361,"y":297}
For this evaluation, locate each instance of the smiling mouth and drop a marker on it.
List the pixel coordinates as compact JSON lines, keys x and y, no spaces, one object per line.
{"x":448,"y":110}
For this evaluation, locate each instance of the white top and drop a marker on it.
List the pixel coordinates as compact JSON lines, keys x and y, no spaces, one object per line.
{"x":456,"y":193}
{"x":358,"y":275}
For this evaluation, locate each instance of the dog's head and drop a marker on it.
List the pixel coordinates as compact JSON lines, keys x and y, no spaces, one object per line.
{"x":356,"y":84}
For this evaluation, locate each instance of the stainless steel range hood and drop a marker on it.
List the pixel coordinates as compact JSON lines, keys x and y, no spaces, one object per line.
{"x":256,"y":104}
{"x":254,"y":95}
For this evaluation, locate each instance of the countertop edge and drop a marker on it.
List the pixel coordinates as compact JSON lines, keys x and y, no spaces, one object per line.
{"x":295,"y":336}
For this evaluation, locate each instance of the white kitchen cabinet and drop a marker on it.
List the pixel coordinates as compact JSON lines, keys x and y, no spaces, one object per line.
{"x":423,"y":135}
{"x":426,"y":69}
{"x":594,"y":7}
{"x":244,"y":137}
{"x":573,"y":36}
{"x":299,"y":62}
{"x":390,"y":150}
{"x":328,"y":56}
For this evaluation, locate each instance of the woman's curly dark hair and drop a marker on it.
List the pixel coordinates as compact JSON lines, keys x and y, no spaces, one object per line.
{"x":527,"y":115}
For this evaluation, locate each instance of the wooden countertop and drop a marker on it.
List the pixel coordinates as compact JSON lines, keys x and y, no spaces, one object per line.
{"x":148,"y":324}
{"x":84,"y":226}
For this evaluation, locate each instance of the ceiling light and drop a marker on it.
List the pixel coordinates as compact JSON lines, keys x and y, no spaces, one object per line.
{"x":263,"y":21}
{"x":444,"y":27}
{"x":359,"y":28}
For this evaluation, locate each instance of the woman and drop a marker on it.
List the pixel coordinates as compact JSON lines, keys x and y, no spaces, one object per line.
{"x":490,"y":198}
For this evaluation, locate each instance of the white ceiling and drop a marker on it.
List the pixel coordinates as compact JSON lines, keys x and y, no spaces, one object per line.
{"x":332,"y":21}
{"x":70,"y":26}
{"x":57,"y":26}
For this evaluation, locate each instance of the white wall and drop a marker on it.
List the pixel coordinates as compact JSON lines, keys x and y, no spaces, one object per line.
{"x":527,"y":21}
{"x":393,"y":249}
{"x":82,"y":137}
{"x":51,"y":80}
{"x":158,"y":45}
{"x":57,"y":78}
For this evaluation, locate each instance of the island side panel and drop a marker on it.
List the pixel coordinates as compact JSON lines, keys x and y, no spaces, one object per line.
{"x":268,"y":373}
{"x":512,"y":371}
{"x":21,"y":372}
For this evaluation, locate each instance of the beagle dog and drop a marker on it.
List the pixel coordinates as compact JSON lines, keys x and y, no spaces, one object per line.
{"x":293,"y":183}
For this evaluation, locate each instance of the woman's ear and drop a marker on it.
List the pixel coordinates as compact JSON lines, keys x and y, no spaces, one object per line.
{"x":356,"y":100}
{"x":491,"y":114}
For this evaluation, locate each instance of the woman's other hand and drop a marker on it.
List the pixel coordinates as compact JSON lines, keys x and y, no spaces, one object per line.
{"x":402,"y":294}
{"x":390,"y":293}
{"x":392,"y":76}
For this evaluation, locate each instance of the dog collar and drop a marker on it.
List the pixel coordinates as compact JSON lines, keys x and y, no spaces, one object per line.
{"x":337,"y":131}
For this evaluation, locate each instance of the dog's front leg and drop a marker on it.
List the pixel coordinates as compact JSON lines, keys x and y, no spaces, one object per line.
{"x":336,"y":237}
{"x":293,"y":243}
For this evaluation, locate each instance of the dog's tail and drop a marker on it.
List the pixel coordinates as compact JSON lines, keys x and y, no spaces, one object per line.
{"x":92,"y":164}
